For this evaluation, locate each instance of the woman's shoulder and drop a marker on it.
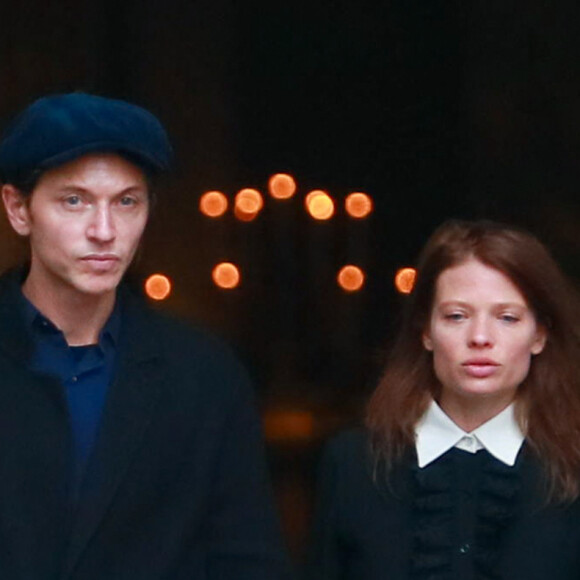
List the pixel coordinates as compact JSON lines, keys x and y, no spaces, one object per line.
{"x":348,"y":458}
{"x":349,"y":444}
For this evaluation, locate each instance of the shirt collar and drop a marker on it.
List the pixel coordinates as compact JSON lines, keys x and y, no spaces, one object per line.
{"x":436,"y":434}
{"x":34,"y":320}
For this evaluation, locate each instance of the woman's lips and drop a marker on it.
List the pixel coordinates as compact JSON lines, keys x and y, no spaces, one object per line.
{"x":480,"y":368}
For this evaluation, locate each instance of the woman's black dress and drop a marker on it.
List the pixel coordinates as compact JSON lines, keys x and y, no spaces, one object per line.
{"x":463,"y":517}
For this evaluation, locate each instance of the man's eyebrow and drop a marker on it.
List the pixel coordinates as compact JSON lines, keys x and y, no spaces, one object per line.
{"x":134,"y":188}
{"x":71,"y":188}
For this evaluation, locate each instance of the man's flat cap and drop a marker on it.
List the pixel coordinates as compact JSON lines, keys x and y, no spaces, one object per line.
{"x":59,"y":128}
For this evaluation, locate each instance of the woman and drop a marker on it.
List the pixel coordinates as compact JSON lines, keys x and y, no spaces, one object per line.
{"x":470,"y":463}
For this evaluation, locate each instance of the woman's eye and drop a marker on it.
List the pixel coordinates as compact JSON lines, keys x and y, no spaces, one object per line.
{"x":127,"y":201}
{"x":455,"y":316}
{"x":509,"y":318}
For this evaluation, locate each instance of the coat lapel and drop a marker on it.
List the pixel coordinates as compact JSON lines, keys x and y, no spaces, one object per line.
{"x":128,"y":412}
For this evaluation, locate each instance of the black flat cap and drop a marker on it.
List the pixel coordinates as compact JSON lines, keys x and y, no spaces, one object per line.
{"x":59,"y":128}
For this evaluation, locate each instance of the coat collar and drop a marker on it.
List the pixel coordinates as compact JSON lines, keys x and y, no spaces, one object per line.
{"x":15,"y":340}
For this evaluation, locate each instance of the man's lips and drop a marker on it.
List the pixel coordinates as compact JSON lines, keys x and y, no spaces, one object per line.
{"x":480,"y":367}
{"x":101,"y":262}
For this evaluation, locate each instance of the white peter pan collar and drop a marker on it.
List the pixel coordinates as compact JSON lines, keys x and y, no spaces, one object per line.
{"x":436,"y":433}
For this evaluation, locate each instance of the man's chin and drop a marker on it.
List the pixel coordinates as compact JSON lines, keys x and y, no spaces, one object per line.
{"x":99,"y":286}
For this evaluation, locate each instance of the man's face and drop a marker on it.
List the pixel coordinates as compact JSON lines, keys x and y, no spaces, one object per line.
{"x":85,"y":220}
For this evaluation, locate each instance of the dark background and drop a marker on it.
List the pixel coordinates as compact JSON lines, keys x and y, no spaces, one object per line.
{"x":435,"y":108}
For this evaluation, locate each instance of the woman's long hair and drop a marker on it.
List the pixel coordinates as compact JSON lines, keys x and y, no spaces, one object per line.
{"x":547,"y":402}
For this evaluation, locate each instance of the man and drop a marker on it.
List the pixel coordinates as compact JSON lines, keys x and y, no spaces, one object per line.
{"x":129,"y":447}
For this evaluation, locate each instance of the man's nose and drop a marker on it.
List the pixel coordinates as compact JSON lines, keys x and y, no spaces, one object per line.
{"x":102,"y":226}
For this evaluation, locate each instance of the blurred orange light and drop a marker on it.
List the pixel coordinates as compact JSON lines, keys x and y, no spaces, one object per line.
{"x":243,"y":216}
{"x":319,"y":205}
{"x":226,"y":275}
{"x":351,"y":278}
{"x":358,"y":205}
{"x":158,"y":286}
{"x":288,"y":425}
{"x":405,"y":280}
{"x":248,"y":204}
{"x":281,"y":186}
{"x":213,"y":204}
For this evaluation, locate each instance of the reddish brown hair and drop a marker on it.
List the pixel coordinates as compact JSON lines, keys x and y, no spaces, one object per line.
{"x":548,"y":401}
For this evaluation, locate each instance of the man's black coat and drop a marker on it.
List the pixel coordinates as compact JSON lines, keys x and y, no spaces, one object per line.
{"x":176,"y":487}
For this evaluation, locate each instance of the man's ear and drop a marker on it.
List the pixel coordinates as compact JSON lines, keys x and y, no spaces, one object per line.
{"x":16,"y":206}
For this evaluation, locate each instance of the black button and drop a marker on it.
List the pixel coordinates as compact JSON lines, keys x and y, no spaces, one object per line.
{"x":464,"y":548}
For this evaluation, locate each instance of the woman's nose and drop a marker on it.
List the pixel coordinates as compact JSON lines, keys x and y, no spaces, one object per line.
{"x":480,"y":333}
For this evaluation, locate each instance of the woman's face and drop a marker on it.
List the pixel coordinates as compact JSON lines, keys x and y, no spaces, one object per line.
{"x":482,"y":335}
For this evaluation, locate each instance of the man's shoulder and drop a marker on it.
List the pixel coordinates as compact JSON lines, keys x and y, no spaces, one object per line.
{"x":11,"y":299}
{"x":169,"y":329}
{"x":184,"y":346}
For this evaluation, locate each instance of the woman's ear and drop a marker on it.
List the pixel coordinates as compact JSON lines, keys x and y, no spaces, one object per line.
{"x":16,"y":206}
{"x":427,"y":342}
{"x":539,"y":340}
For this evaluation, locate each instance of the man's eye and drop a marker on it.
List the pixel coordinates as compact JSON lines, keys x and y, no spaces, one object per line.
{"x":73,"y":200}
{"x":127,"y":200}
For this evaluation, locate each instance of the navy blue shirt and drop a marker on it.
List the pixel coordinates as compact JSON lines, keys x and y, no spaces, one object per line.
{"x":85,"y":373}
